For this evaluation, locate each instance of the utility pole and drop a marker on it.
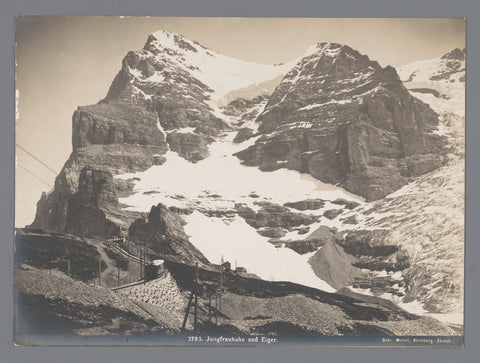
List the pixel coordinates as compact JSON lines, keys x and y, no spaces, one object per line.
{"x":68,"y":267}
{"x":196,"y":298}
{"x":195,"y":311}
{"x":216,"y":310}
{"x":118,"y":275}
{"x":210,"y":308}
{"x":99,"y":271}
{"x":221,"y":288}
{"x":141,"y":263}
{"x":186,"y":313}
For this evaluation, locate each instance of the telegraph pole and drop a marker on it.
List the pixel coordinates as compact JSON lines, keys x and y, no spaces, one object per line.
{"x":186,"y":313}
{"x":216,"y":310}
{"x":141,"y":263}
{"x":210,"y":309}
{"x":196,"y":298}
{"x":221,"y":289}
{"x":99,"y":271}
{"x":194,"y":293}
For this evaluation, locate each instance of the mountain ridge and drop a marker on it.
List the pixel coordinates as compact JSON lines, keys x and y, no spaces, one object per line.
{"x":336,"y":116}
{"x":344,"y":119}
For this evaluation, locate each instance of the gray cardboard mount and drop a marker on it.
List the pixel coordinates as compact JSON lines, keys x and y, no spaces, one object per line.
{"x":238,"y":8}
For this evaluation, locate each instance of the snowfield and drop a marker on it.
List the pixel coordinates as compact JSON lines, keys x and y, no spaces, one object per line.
{"x":450,"y":89}
{"x":220,"y":181}
{"x":217,"y":183}
{"x":237,"y":242}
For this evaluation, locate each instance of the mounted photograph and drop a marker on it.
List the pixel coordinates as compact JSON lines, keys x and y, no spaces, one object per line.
{"x":239,"y":181}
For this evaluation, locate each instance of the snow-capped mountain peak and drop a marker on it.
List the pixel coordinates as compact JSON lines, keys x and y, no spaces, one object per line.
{"x":221,"y":74}
{"x":168,"y":40}
{"x":440,"y":81}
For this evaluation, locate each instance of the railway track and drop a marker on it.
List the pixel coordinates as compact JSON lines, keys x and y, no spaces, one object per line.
{"x":127,"y":255}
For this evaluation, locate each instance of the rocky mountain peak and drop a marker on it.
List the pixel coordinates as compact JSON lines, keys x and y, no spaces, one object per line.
{"x":440,"y":82}
{"x":335,"y":55}
{"x":163,"y":39}
{"x":456,"y":53}
{"x":342,"y":118}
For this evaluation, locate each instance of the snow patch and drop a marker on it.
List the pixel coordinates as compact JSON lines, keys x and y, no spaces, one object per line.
{"x":236,"y":241}
{"x":223,"y":174}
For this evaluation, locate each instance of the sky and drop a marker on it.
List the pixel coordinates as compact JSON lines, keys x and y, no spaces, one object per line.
{"x":66,"y":62}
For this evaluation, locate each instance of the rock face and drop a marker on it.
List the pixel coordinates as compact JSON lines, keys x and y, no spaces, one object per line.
{"x":188,"y":145}
{"x":308,"y":204}
{"x":243,"y":134}
{"x":273,"y":216}
{"x":115,"y":123}
{"x":418,"y":230}
{"x":344,"y":119}
{"x":163,"y":233}
{"x":85,"y":215}
{"x":114,"y":158}
{"x":374,"y":251}
{"x":182,"y":82}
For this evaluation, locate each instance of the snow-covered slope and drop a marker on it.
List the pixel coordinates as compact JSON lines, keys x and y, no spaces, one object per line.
{"x":222,"y":74}
{"x":220,"y":180}
{"x":213,"y":188}
{"x":440,"y":82}
{"x":424,"y":219}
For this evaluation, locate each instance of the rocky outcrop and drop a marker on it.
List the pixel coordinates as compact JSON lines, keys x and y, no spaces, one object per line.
{"x":332,"y":213}
{"x":273,"y":232}
{"x":163,"y":233}
{"x":273,"y":216}
{"x":85,"y":215}
{"x":115,"y":159}
{"x":345,"y":120}
{"x":157,"y":78}
{"x":348,"y":204}
{"x":191,"y":146}
{"x":313,"y":241}
{"x":116,"y":123}
{"x":308,"y":204}
{"x":243,"y":134}
{"x":374,"y":252}
{"x":246,"y":109}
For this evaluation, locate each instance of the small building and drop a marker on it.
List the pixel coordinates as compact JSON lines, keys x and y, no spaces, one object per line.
{"x":154,"y":269}
{"x":240,"y":269}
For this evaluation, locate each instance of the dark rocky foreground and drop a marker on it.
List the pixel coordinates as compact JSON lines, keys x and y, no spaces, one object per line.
{"x":72,"y":308}
{"x":52,"y":303}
